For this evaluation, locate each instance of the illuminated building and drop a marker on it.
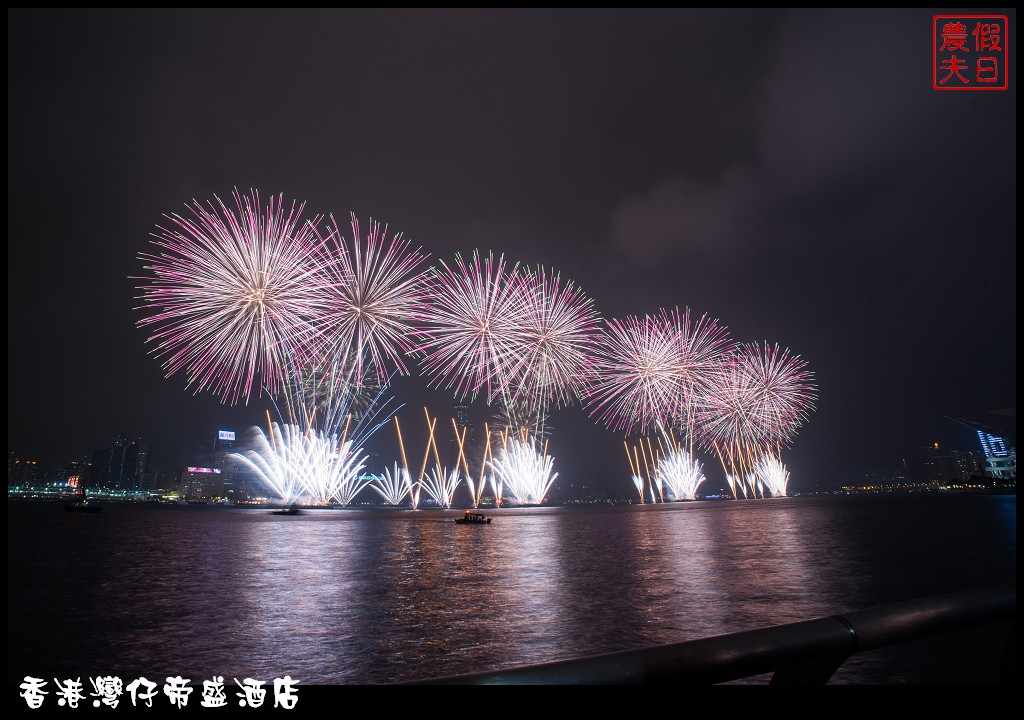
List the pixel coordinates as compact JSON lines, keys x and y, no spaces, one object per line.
{"x":201,"y":484}
{"x":1000,"y":460}
{"x":997,"y":438}
{"x":223,"y":446}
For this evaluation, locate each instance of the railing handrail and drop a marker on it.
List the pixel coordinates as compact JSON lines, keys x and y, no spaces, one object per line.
{"x":803,"y":652}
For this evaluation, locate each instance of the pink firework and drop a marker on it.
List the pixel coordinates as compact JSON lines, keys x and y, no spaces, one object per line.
{"x":369,"y":297}
{"x":652,"y":373}
{"x":786,"y":391}
{"x":472,"y":327}
{"x":229,"y":294}
{"x":757,"y":401}
{"x":635,"y":385}
{"x":556,"y":341}
{"x":700,"y":346}
{"x":729,"y":417}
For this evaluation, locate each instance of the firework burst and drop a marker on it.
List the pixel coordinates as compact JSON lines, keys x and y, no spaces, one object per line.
{"x":653,"y":371}
{"x":470,"y":335}
{"x":229,"y":294}
{"x":785,"y":391}
{"x":555,"y":342}
{"x":755,"y":404}
{"x":700,"y":345}
{"x":369,"y":298}
{"x":636,"y":384}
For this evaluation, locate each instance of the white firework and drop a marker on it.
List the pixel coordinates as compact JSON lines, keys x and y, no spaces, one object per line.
{"x":440,"y":485}
{"x":524,"y":472}
{"x":473,"y":325}
{"x":394,"y":485}
{"x":682,"y":473}
{"x":308,"y":466}
{"x":773,"y":475}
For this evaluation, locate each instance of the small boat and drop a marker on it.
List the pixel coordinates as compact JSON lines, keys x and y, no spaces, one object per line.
{"x":472,"y":517}
{"x":290,"y":510}
{"x":79,"y":504}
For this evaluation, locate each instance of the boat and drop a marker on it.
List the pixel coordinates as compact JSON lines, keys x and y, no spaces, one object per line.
{"x":80,"y":504}
{"x":473,"y":517}
{"x":290,"y":510}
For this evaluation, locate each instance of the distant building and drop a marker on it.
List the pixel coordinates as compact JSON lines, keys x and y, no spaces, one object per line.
{"x":935,"y":468}
{"x":120,"y":467}
{"x":1000,"y":458}
{"x":966,"y":464}
{"x":234,"y":486}
{"x":373,"y":466}
{"x":942,"y":467}
{"x":164,"y":483}
{"x":201,"y":484}
{"x":22,"y":471}
{"x":998,"y":439}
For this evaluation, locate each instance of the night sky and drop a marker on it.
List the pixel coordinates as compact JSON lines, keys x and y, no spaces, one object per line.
{"x":792,"y":174}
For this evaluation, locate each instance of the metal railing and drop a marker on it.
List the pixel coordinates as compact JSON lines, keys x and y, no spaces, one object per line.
{"x":806,"y":652}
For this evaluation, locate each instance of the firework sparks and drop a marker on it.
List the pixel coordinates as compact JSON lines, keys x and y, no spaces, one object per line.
{"x":555,"y":342}
{"x":524,"y":471}
{"x":369,"y":298}
{"x":229,"y":296}
{"x":474,"y":319}
{"x":773,"y":475}
{"x":394,"y":485}
{"x":309,"y":466}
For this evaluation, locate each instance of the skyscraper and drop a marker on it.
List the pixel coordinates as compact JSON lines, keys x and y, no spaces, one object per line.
{"x":223,"y":446}
{"x":120,"y":467}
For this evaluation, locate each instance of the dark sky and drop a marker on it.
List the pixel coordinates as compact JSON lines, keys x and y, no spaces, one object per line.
{"x":793,"y":174}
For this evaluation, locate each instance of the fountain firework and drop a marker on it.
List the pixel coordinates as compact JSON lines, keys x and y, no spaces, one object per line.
{"x":525,"y":470}
{"x":681,"y":473}
{"x":306,"y":466}
{"x":773,"y":475}
{"x":394,"y":485}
